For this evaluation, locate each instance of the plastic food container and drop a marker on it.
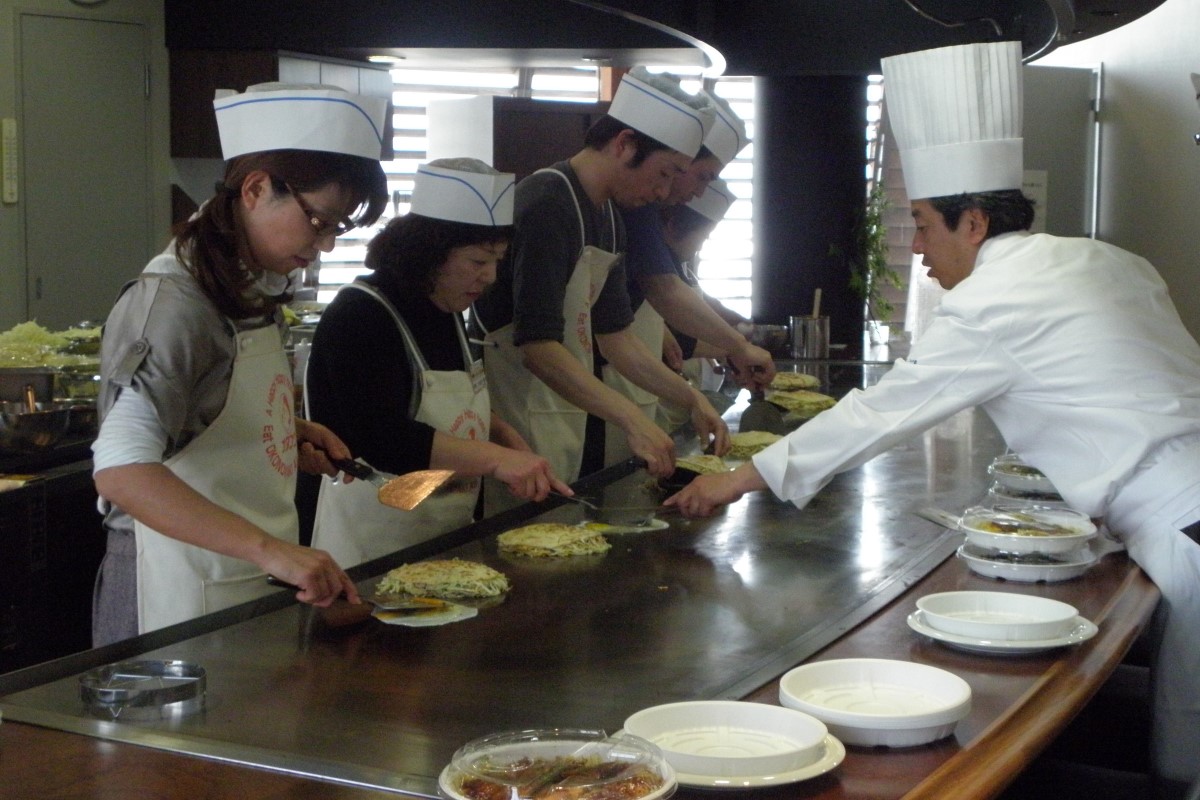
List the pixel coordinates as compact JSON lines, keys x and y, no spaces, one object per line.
{"x":1001,"y":495}
{"x":1027,"y":529}
{"x":997,"y":616}
{"x":731,"y":738}
{"x":1009,"y":470}
{"x":873,"y":702}
{"x":1027,"y":567}
{"x":557,"y":762}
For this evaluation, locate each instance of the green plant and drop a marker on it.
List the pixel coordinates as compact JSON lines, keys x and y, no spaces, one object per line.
{"x":870,"y":273}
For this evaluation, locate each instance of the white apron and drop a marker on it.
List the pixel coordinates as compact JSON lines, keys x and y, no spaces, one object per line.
{"x":1146,"y":515}
{"x":245,"y":461}
{"x":351,"y":524}
{"x":553,"y":427}
{"x":648,"y":327}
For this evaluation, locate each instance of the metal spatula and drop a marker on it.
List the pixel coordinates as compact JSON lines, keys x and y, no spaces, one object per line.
{"x":398,"y":491}
{"x":762,"y":415}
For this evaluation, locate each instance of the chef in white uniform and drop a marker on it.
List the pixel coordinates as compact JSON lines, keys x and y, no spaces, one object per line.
{"x":196,"y":459}
{"x":564,"y":283}
{"x":1072,"y":346}
{"x":392,"y":373}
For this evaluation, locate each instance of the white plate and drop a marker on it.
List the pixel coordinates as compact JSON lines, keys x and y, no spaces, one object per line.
{"x":423,"y":619}
{"x":1084,"y":629}
{"x":1074,"y":564}
{"x":835,"y":751}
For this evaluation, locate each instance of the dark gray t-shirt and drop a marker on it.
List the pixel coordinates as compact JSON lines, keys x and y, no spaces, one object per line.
{"x":531,"y":282}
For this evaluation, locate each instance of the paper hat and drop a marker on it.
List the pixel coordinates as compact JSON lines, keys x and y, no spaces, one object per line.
{"x":727,"y":136}
{"x":275,"y":116}
{"x":660,"y":116}
{"x":715,"y":201}
{"x":463,"y":190}
{"x":956,"y":115}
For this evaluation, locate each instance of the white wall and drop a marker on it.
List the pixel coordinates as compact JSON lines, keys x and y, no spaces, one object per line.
{"x":12,"y":241}
{"x":1150,"y":167}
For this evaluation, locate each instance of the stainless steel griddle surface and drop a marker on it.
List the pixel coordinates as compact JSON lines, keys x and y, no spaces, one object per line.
{"x":702,"y":609}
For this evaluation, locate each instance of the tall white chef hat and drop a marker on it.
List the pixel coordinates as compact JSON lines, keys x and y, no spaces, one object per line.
{"x":463,"y":190}
{"x":727,"y":136}
{"x":656,"y":106}
{"x":956,"y":114}
{"x":715,"y":201}
{"x":279,"y":116}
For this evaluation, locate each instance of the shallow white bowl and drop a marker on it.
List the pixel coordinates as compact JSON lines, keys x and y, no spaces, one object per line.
{"x":1014,"y":473}
{"x":1077,"y":529}
{"x":997,"y":616}
{"x":874,"y":701}
{"x":991,"y":564}
{"x":731,"y":738}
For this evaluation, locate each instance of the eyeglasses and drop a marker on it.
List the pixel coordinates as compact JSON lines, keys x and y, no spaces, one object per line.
{"x":321,"y":227}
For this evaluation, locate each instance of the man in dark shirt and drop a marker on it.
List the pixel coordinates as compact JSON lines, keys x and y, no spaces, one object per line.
{"x":564,"y":283}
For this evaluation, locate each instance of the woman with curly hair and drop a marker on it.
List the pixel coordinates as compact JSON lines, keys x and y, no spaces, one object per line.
{"x":392,"y":372}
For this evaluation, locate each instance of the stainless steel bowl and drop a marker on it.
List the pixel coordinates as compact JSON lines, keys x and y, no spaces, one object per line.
{"x":21,"y":429}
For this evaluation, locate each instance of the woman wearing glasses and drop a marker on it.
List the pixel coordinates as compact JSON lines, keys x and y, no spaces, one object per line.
{"x":392,"y":373}
{"x":198,"y":449}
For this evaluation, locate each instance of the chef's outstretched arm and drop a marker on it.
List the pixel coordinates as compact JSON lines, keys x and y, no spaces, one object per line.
{"x":705,"y":494}
{"x":634,"y":360}
{"x":554,"y":365}
{"x":155,"y":496}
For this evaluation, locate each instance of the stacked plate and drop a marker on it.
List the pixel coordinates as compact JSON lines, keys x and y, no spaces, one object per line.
{"x":1012,"y":473}
{"x":999,"y":622}
{"x":726,"y":744}
{"x":1027,"y":543}
{"x":878,"y":702}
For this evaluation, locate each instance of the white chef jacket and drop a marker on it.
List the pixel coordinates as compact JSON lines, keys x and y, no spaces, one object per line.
{"x":1072,"y":347}
{"x":1076,"y":352}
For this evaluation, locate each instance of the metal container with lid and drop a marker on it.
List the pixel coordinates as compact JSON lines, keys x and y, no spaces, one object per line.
{"x":143,"y":690}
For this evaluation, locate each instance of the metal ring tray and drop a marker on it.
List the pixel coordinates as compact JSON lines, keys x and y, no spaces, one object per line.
{"x":143,"y":690}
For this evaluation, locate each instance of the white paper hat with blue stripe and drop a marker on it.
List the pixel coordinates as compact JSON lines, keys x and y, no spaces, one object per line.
{"x":661,"y":113}
{"x":463,"y":190}
{"x":278,"y":116}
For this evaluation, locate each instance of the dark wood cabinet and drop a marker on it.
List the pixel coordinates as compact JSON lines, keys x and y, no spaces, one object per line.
{"x":51,"y":542}
{"x":513,"y":134}
{"x":197,"y":74}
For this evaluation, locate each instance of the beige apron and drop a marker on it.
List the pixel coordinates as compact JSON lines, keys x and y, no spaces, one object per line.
{"x":245,"y":462}
{"x":553,"y":427}
{"x":648,"y":327}
{"x":351,"y":524}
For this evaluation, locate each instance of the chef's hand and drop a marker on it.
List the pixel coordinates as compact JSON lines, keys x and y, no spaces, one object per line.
{"x":651,"y":444}
{"x":528,"y":476}
{"x":706,"y":493}
{"x":317,"y":445}
{"x":753,"y":367}
{"x":710,"y":428}
{"x":320,"y":579}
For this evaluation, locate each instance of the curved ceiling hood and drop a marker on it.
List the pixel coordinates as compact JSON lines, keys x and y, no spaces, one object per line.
{"x":716,"y":62}
{"x":739,"y":37}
